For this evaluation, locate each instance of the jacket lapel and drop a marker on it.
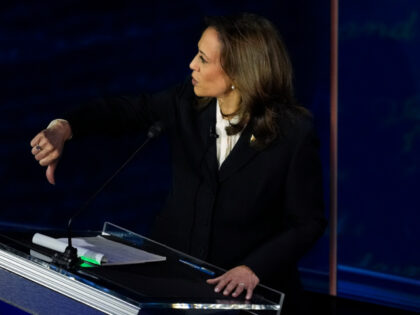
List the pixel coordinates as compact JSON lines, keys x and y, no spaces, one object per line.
{"x":241,"y":153}
{"x":206,"y":121}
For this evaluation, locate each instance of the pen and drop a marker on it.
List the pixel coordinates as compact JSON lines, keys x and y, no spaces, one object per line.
{"x":200,"y":268}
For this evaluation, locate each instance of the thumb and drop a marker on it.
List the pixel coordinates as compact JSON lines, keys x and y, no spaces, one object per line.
{"x":50,"y":172}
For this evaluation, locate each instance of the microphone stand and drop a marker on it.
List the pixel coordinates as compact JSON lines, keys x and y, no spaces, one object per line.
{"x":69,"y":258}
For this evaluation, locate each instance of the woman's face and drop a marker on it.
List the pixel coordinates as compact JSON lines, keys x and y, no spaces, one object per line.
{"x":208,"y":77}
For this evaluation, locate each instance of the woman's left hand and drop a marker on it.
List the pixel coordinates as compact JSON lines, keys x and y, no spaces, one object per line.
{"x":236,"y":280}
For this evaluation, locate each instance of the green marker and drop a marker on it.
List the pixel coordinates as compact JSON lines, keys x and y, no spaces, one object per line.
{"x":86,"y":265}
{"x":90,"y":261}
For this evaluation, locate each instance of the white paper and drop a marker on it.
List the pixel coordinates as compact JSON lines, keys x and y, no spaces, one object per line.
{"x":117,"y":253}
{"x":100,"y":249}
{"x":60,"y":245}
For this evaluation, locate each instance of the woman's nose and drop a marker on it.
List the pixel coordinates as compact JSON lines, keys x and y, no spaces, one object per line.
{"x":193,"y":64}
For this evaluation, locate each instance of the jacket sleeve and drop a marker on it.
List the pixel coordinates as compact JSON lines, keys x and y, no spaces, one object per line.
{"x":303,"y":221}
{"x":121,"y":115}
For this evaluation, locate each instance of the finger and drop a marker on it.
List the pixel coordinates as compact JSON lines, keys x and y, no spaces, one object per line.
{"x":249,"y":292}
{"x":44,"y":142}
{"x":43,"y":153}
{"x":222,"y":283}
{"x":50,"y":172}
{"x":47,"y":155}
{"x":239,"y":289}
{"x":36,"y":149}
{"x":36,"y":139}
{"x":214,"y":280}
{"x":42,"y":145}
{"x":39,"y":145}
{"x":230,"y":287}
{"x":50,"y":158}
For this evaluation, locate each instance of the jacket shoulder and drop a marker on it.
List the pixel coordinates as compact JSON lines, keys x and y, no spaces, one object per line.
{"x":295,"y":121}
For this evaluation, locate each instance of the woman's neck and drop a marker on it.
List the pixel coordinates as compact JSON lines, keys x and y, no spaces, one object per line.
{"x":229,"y":104}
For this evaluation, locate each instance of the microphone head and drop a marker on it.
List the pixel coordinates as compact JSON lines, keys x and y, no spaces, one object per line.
{"x":155,"y":129}
{"x":213,"y":133}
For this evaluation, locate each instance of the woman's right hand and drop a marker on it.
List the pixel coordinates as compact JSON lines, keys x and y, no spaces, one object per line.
{"x":47,"y":146}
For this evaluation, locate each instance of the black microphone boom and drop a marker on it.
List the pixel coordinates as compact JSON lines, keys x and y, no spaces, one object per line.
{"x":69,"y":259}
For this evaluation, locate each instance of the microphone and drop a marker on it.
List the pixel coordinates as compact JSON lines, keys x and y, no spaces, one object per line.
{"x":213,"y":133}
{"x":155,"y":130}
{"x":69,"y":258}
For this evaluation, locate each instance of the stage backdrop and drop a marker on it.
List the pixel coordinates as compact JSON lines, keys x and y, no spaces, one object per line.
{"x":379,"y":151}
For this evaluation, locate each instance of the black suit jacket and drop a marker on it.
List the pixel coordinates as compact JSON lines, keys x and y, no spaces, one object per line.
{"x":262,"y":208}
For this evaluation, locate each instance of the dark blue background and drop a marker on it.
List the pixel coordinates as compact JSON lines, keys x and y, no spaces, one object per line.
{"x":379,"y":150}
{"x":56,"y":55}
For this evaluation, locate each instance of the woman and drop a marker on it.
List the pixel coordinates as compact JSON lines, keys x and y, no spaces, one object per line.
{"x":246,"y":192}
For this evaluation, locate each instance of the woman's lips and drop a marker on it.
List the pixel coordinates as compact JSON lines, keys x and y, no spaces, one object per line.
{"x":194,"y":82}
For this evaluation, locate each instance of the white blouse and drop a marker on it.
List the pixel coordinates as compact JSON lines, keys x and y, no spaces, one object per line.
{"x":224,"y":142}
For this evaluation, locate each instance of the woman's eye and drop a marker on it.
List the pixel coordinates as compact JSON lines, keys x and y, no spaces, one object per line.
{"x":202,"y":59}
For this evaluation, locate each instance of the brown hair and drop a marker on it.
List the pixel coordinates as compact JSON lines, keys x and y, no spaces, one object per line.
{"x":255,"y":58}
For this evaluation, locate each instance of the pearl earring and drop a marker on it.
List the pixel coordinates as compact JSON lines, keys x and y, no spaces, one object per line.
{"x":232,"y":87}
